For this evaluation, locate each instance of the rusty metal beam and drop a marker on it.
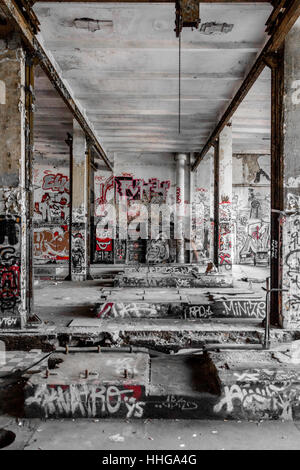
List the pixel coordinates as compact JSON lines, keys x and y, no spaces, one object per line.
{"x":147,"y":1}
{"x":13,"y":13}
{"x":276,"y":63}
{"x":287,"y":20}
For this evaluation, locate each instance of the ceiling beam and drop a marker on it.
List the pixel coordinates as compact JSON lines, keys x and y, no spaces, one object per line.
{"x":287,"y":20}
{"x":153,"y":46}
{"x":13,"y":13}
{"x":146,"y":1}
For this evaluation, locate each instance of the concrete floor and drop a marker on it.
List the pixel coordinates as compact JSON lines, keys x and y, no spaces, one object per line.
{"x":62,"y":301}
{"x":152,"y":435}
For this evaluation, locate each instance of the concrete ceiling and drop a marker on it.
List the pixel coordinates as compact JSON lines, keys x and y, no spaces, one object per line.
{"x":125,"y":75}
{"x":53,"y":121}
{"x":251,"y":123}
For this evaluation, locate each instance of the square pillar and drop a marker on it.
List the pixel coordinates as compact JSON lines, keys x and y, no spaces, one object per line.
{"x":290,"y":223}
{"x":216,"y":206}
{"x":225,"y":247}
{"x":16,"y":144}
{"x":180,"y":159}
{"x":80,"y":188}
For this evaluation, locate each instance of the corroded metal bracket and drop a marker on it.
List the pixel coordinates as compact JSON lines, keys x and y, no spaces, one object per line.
{"x":187,"y":15}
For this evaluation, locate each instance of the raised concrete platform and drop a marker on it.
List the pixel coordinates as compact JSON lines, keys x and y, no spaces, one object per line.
{"x":226,"y":385}
{"x":180,"y":303}
{"x":60,"y":271}
{"x":90,"y":385}
{"x":158,"y":279}
{"x":161,"y":334}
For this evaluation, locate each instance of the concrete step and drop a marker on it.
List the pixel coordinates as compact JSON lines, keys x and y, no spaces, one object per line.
{"x":179,"y":303}
{"x":228,"y":385}
{"x":138,"y":280}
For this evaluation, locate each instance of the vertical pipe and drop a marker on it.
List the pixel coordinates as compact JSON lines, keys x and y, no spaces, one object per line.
{"x":29,"y":144}
{"x":277,"y":200}
{"x":180,"y":159}
{"x":69,"y":142}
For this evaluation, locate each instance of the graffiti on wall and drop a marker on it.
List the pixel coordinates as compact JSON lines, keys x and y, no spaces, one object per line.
{"x":51,"y":243}
{"x":108,"y":189}
{"x":158,"y":250}
{"x":251,"y":217}
{"x":251,"y":209}
{"x":138,"y":189}
{"x":291,"y":269}
{"x":78,"y":257}
{"x":51,"y":214}
{"x":104,"y":250}
{"x":225,"y":235}
{"x":120,"y":251}
{"x":200,"y":225}
{"x":255,"y":168}
{"x":52,"y":197}
{"x":10,"y":254}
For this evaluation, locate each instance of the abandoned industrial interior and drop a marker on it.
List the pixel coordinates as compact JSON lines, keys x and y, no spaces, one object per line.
{"x":149,"y":215}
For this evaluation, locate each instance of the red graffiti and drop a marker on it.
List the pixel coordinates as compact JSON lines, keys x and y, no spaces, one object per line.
{"x":104,"y":188}
{"x":137,"y":391}
{"x":255,"y":234}
{"x":9,"y":287}
{"x":106,"y":308}
{"x":225,"y":258}
{"x":56,"y":183}
{"x":50,"y":244}
{"x":137,"y":188}
{"x":103,"y":244}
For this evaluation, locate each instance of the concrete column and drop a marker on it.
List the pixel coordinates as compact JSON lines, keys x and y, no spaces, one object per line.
{"x":225,"y":200}
{"x":16,"y":134}
{"x":216,"y":206}
{"x":80,"y":206}
{"x":180,"y":159}
{"x":291,"y":182}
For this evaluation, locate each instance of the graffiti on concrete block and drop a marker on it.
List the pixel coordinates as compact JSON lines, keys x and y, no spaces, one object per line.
{"x":179,"y":403}
{"x":10,"y":322}
{"x":132,"y":310}
{"x":198,"y":311}
{"x":244,"y":308}
{"x":86,"y":401}
{"x":267,"y":401}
